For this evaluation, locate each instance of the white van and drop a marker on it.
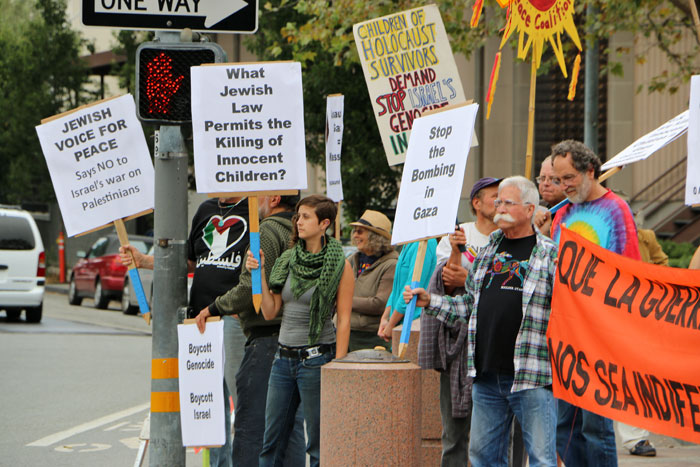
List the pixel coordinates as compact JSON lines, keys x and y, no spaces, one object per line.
{"x":22,"y":265}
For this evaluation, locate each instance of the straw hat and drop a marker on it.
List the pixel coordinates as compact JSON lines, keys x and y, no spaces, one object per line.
{"x":376,"y":222}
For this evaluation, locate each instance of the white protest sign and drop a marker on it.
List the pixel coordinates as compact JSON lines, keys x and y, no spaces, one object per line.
{"x":99,"y":163}
{"x":334,"y":144}
{"x":409,"y":69}
{"x":201,"y":379}
{"x":248,"y":127}
{"x":650,"y":143}
{"x":433,"y":174}
{"x":692,"y":181}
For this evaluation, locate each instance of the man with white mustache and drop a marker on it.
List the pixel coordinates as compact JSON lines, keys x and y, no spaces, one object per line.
{"x":510,"y":282}
{"x":599,"y":215}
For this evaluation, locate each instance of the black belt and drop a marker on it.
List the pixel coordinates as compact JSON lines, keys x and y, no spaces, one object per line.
{"x":302,"y":353}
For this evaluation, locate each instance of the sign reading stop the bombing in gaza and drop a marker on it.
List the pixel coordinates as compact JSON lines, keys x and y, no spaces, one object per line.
{"x":99,"y":163}
{"x":248,"y":127}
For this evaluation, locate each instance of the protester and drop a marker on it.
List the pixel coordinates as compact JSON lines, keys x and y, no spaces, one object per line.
{"x":550,"y":194}
{"x":509,"y":284}
{"x":254,"y":372}
{"x":307,"y":281}
{"x":442,"y":347}
{"x":695,"y":260}
{"x":215,"y":251}
{"x":395,"y":306}
{"x":373,"y":264}
{"x":585,"y":438}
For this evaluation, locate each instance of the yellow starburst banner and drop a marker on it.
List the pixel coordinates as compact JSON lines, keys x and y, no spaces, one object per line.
{"x":539,"y":21}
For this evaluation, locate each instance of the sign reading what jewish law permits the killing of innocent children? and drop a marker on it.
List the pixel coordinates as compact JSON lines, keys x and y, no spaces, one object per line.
{"x":99,"y":163}
{"x":432,"y":178}
{"x":409,"y":69}
{"x":692,"y":181}
{"x":248,"y":127}
{"x":201,"y":377}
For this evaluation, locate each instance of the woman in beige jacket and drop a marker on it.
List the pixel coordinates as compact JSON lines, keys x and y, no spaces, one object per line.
{"x":373,"y":265}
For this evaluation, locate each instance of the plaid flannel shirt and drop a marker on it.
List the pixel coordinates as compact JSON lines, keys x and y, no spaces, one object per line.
{"x":530,"y":357}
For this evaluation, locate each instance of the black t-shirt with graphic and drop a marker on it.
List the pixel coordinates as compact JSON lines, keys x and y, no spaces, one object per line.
{"x":217,"y":243}
{"x":500,"y":306}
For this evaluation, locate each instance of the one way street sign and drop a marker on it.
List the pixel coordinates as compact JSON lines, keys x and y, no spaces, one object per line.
{"x":232,"y":16}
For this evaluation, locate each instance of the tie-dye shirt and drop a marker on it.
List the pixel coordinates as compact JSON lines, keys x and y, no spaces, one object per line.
{"x":606,"y":221}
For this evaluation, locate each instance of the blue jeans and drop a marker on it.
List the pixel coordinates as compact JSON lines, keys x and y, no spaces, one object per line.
{"x":234,"y":341}
{"x":492,"y":412}
{"x":249,"y":425}
{"x":293,"y":382}
{"x":221,"y":457}
{"x":584,"y":438}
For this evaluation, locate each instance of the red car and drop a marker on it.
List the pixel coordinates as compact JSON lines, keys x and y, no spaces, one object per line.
{"x":99,"y":274}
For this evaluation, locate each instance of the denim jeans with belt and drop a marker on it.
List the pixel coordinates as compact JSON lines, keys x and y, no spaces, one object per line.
{"x":293,"y":381}
{"x":584,"y":438}
{"x":493,"y":407}
{"x":249,"y":425}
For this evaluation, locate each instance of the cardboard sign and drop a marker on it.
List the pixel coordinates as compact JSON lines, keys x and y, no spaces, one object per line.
{"x":692,"y":181}
{"x":99,"y":163}
{"x":432,"y":178}
{"x":650,"y":143}
{"x":623,"y":339}
{"x":201,"y":379}
{"x":334,"y":144}
{"x":248,"y":127}
{"x":409,"y":69}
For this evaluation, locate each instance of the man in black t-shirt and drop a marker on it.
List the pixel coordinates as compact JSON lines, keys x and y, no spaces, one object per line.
{"x":216,"y":246}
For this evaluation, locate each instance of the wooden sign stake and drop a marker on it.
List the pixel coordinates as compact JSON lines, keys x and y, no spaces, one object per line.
{"x":134,"y":277}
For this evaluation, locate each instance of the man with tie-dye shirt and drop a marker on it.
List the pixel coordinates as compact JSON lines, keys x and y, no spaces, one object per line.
{"x":599,"y":215}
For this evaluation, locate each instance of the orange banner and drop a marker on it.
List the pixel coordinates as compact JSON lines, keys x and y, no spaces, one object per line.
{"x":624,"y":339}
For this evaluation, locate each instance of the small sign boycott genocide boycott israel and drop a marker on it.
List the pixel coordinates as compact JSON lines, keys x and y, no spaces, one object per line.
{"x":99,"y":163}
{"x":201,"y":379}
{"x":409,"y":69}
{"x":248,"y":127}
{"x":432,"y":178}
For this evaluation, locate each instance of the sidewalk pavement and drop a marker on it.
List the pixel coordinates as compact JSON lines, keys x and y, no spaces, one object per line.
{"x":670,"y":452}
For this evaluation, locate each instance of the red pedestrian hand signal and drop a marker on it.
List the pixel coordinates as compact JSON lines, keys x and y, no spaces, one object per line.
{"x":160,"y":85}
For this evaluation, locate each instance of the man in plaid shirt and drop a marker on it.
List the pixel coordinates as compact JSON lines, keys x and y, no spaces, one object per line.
{"x":506,"y":306}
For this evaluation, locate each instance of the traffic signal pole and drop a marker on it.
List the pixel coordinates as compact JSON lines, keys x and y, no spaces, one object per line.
{"x":169,"y":289}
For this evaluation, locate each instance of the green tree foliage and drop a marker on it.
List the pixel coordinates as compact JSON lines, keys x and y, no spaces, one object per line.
{"x":679,"y":254}
{"x":40,"y":75}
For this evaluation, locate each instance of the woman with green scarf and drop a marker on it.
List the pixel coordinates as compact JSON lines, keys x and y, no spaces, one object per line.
{"x":308,"y":282}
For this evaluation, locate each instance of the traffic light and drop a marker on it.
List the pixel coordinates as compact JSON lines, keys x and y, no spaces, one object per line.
{"x":163,"y":90}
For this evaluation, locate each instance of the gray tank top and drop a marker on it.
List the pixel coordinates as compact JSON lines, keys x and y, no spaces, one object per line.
{"x":294,"y":330}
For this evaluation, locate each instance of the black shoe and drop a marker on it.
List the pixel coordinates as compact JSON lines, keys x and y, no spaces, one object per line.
{"x":643,"y":448}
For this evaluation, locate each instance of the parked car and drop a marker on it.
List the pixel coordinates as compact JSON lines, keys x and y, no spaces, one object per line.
{"x":22,"y":265}
{"x":99,"y":273}
{"x":130,"y":304}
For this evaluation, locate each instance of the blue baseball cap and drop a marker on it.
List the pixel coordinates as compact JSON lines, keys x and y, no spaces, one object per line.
{"x":483,"y":183}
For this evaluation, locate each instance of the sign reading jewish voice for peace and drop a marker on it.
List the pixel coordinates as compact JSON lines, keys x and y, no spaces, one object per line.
{"x":334,"y":144}
{"x":650,"y":143}
{"x":433,"y":174}
{"x":248,"y":127}
{"x":99,"y":163}
{"x":409,"y":68}
{"x":605,"y":309}
{"x":692,"y":181}
{"x":201,"y":380}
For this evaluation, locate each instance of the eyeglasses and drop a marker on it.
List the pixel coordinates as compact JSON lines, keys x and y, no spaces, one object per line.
{"x":507,"y":203}
{"x":566,"y":179}
{"x":544,"y":179}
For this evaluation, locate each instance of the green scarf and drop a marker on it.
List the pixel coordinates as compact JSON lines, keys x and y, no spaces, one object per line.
{"x":323,"y":269}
